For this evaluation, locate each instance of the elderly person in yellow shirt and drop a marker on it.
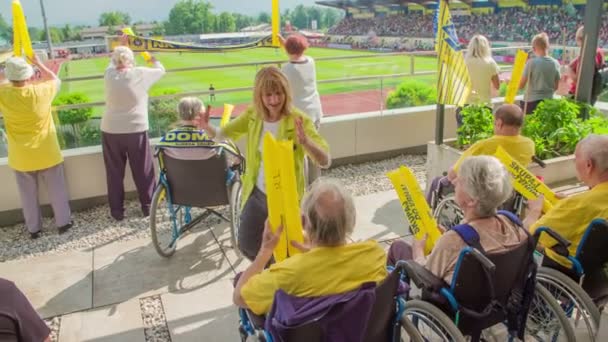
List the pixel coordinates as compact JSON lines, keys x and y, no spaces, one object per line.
{"x":330,"y":265}
{"x":571,"y":216}
{"x":508,"y":121}
{"x":33,"y":148}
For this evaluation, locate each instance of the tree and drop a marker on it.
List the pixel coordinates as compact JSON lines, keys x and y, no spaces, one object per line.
{"x":6,"y":32}
{"x":264,"y":18}
{"x":56,"y":35}
{"x":299,"y":17}
{"x":190,"y":17}
{"x":226,"y":23}
{"x":242,"y":21}
{"x":114,"y":18}
{"x":314,"y":13}
{"x":331,"y":17}
{"x":68,"y":32}
{"x":158,"y":29}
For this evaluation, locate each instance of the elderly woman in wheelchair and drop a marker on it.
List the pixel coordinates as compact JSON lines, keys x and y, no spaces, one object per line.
{"x":334,"y":291}
{"x":196,"y":175}
{"x":469,"y":279}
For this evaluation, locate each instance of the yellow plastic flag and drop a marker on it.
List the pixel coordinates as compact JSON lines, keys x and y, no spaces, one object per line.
{"x":416,"y":210}
{"x":21,"y":36}
{"x":525,"y":182}
{"x":128,"y":31}
{"x":276,"y":22}
{"x":516,"y":74}
{"x":145,"y":54}
{"x":281,"y":194}
{"x":228,"y":108}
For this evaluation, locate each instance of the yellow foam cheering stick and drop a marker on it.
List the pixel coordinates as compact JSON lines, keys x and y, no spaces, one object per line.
{"x":228,"y":108}
{"x":21,"y":36}
{"x":525,"y":182}
{"x":281,"y":194}
{"x":276,"y":20}
{"x":516,"y":74}
{"x":416,"y":210}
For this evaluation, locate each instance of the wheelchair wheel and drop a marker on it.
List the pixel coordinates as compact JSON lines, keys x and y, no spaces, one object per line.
{"x":546,"y":319}
{"x":163,"y":223}
{"x":448,"y":213}
{"x":575,"y":302}
{"x":235,"y":215}
{"x":430,"y":322}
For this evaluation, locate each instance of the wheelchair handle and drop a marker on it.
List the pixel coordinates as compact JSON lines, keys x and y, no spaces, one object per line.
{"x":539,"y":161}
{"x":562,"y":244}
{"x":483,"y":260}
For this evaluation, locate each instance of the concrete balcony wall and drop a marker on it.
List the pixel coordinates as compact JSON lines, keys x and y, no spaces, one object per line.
{"x":352,"y":138}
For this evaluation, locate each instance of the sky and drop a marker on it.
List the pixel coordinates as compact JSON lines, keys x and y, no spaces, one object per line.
{"x":87,"y":12}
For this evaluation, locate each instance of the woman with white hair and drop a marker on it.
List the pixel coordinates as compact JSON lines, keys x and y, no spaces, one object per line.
{"x":124,"y":128}
{"x":483,"y":72}
{"x":481,"y":186}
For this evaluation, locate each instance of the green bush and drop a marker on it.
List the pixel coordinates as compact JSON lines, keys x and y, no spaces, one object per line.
{"x":162,"y":113}
{"x":477,"y":124}
{"x":90,"y":135}
{"x":411,"y":93}
{"x":74,"y":118}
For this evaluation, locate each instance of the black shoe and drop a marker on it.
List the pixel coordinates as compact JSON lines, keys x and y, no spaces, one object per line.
{"x":35,"y":235}
{"x":65,"y":228}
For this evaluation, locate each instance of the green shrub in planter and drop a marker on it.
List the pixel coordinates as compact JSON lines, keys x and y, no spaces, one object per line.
{"x":556,"y":128}
{"x":162,"y":113}
{"x":477,"y":124}
{"x":411,"y":93}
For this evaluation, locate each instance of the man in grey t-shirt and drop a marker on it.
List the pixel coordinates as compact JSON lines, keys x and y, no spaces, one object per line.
{"x":541,"y":74}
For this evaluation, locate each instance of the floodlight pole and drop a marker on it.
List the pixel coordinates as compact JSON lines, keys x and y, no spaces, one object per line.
{"x":46,"y":28}
{"x":586,"y":69}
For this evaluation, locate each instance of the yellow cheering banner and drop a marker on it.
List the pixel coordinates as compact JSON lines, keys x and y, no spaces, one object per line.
{"x":145,"y":54}
{"x":525,"y":182}
{"x":416,"y":209}
{"x":281,"y":194}
{"x":276,"y":20}
{"x":21,"y":36}
{"x":516,"y":74}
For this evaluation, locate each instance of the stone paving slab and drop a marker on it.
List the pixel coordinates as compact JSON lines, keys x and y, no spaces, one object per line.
{"x":205,"y":314}
{"x":379,"y":217}
{"x":133,"y":269}
{"x":54,"y":284}
{"x":116,"y":323}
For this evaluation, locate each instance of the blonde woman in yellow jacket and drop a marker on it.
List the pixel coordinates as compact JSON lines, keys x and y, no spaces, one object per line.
{"x":272,"y":111}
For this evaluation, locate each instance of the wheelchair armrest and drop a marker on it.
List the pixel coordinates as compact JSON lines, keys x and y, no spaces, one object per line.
{"x":562,"y":244}
{"x":423,"y":278}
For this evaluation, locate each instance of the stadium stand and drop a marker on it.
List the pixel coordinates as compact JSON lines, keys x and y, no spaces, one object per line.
{"x":505,"y":24}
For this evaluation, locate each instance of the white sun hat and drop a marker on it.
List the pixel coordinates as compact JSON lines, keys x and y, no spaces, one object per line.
{"x":17,"y":69}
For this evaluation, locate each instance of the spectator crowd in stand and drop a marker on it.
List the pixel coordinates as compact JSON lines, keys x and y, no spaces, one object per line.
{"x":512,"y":24}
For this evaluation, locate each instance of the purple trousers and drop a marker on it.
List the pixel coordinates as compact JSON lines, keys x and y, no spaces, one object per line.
{"x":399,"y":250}
{"x":135,"y":147}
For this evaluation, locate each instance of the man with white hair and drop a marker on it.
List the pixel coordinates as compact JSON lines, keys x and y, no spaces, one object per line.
{"x":329,"y":266}
{"x":33,"y":148}
{"x":571,"y":216}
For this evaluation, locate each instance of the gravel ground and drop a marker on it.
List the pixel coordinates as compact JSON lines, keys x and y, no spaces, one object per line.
{"x":155,"y":322}
{"x":95,"y":228}
{"x":54,"y":323}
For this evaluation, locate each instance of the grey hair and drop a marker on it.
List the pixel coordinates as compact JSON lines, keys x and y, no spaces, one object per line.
{"x":479,"y":47}
{"x":189,"y":107}
{"x":487,"y":181}
{"x":595,"y":148}
{"x":330,"y":212}
{"x":122,"y":56}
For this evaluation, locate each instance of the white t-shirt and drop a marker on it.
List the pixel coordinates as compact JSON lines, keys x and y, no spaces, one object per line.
{"x":272,"y":127}
{"x":481,"y":72}
{"x":303,"y":81}
{"x":127,"y":98}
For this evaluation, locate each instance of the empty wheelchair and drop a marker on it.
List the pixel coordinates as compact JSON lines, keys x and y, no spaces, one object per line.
{"x":583,"y":288}
{"x":486,"y":291}
{"x":386,"y":321}
{"x":189,"y":191}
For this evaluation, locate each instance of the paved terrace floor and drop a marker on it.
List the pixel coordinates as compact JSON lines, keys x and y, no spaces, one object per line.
{"x":124,"y":291}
